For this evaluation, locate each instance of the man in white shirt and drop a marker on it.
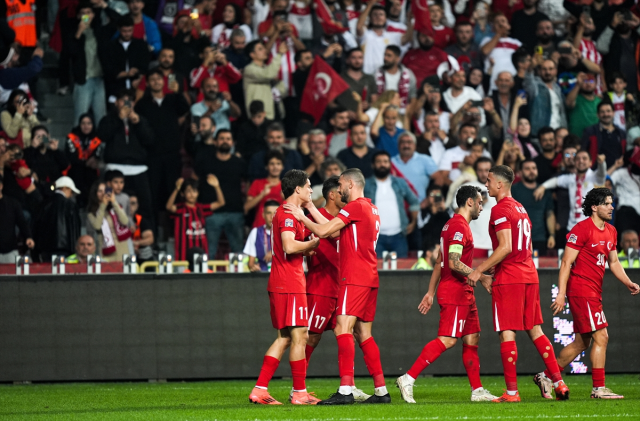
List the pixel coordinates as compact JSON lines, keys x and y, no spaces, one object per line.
{"x":449,"y":168}
{"x":627,"y":184}
{"x":258,"y":245}
{"x":458,"y":94}
{"x":499,"y":49}
{"x":375,"y":40}
{"x":393,"y":76}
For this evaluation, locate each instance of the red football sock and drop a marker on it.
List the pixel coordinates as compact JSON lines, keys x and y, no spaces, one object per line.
{"x":346,"y":356}
{"x":429,"y":354}
{"x":472,"y":365}
{"x":308,"y":350}
{"x":372,"y":360}
{"x":269,"y":367}
{"x":298,"y":372}
{"x":545,"y":349}
{"x":509,"y":354}
{"x":548,"y":373}
{"x":597,"y":375}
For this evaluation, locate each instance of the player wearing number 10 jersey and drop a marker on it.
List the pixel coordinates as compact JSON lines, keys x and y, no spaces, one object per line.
{"x":515,"y":291}
{"x":590,"y":244}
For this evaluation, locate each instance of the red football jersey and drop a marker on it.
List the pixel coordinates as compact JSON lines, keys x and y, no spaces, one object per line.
{"x":453,"y":287}
{"x":594,"y":246}
{"x":287,"y":271}
{"x":322,"y":277}
{"x":517,"y":267}
{"x":358,"y":260}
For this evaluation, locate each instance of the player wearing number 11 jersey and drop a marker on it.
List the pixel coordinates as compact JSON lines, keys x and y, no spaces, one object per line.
{"x":590,"y":244}
{"x":515,"y":291}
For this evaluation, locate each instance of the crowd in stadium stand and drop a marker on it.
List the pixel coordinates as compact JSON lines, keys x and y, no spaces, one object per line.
{"x":188,"y":112}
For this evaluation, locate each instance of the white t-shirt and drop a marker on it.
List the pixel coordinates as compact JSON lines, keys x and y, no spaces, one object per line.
{"x":555,"y":109}
{"x":452,"y":159}
{"x":250,"y":245}
{"x":388,"y":208}
{"x":437,"y":150}
{"x":392,"y":81}
{"x":480,"y":227}
{"x":374,"y":46}
{"x":221,"y":35}
{"x":501,"y":55}
{"x":618,"y":110}
{"x":627,"y":188}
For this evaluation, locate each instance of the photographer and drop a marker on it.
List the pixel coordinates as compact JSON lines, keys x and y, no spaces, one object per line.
{"x":44,"y":159}
{"x":19,"y":118}
{"x":614,"y":44}
{"x":214,"y":65}
{"x":432,"y":217}
{"x":218,"y":105}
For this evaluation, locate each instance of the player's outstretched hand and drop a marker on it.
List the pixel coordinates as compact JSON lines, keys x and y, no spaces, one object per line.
{"x":558,"y":305}
{"x":426,"y":303}
{"x":473,"y":278}
{"x":634,"y":288}
{"x":294,"y":210}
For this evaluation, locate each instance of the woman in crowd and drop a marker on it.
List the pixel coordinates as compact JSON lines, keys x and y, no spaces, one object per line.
{"x":231,"y":19}
{"x":110,"y":222}
{"x":19,"y":118}
{"x":265,"y":189}
{"x":521,"y":129}
{"x":84,"y":150}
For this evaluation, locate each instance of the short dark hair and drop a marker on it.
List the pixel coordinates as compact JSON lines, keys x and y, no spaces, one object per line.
{"x":355,"y":175}
{"x":155,"y":71}
{"x":602,"y":104}
{"x":465,"y":193}
{"x":519,"y":56}
{"x":504,"y":172}
{"x":337,"y":110}
{"x":124,"y":93}
{"x":293,"y":179}
{"x":250,"y":47}
{"x":545,"y":130}
{"x":110,"y":175}
{"x":595,"y":197}
{"x":189,"y":182}
{"x":463,"y":23}
{"x":616,"y":75}
{"x":84,"y":4}
{"x":521,"y":165}
{"x":394,"y":49}
{"x":223,"y":131}
{"x":379,"y":153}
{"x":270,"y":202}
{"x":274,"y":127}
{"x":482,"y":160}
{"x":330,"y":184}
{"x":38,"y":127}
{"x":583,"y":151}
{"x":353,"y":50}
{"x":298,"y":56}
{"x":125,"y":21}
{"x":571,"y":141}
{"x":273,"y":154}
{"x":256,"y":107}
{"x":355,"y":123}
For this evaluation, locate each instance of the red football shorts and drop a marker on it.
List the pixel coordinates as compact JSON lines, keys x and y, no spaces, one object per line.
{"x":516,"y":307}
{"x":322,"y":313}
{"x":288,"y":310}
{"x":587,"y":314}
{"x":359,"y":301}
{"x":458,"y":321}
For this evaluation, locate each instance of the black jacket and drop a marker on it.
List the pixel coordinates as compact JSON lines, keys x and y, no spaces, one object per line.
{"x":122,"y":150}
{"x":49,"y":166}
{"x":76,"y":47}
{"x":163,"y":120}
{"x":115,"y":58}
{"x":58,"y":226}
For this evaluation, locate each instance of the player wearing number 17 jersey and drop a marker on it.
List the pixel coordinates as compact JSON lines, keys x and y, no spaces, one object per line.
{"x":515,"y":291}
{"x":590,"y":244}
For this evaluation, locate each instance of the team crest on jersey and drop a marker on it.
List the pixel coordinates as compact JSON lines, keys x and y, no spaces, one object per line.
{"x":457,"y":236}
{"x":288,"y":223}
{"x":500,"y":220}
{"x":573,"y":239}
{"x":609,"y":245}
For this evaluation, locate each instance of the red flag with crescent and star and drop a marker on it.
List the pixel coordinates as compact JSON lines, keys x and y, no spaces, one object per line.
{"x":420,"y":9}
{"x":329,"y":26}
{"x":323,"y":86}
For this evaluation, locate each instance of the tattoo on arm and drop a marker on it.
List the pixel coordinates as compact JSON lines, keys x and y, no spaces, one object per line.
{"x":458,"y":266}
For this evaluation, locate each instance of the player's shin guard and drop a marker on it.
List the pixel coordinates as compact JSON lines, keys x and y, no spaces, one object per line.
{"x":308,"y":350}
{"x":299,"y":373}
{"x":429,"y":354}
{"x":597,"y":375}
{"x":346,"y":356}
{"x":545,"y":349}
{"x":509,"y":354}
{"x":372,"y":360}
{"x":269,"y":367}
{"x":472,"y":365}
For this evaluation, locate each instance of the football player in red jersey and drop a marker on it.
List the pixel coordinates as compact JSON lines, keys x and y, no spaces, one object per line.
{"x":288,"y":294}
{"x":322,"y":278}
{"x":458,"y":312}
{"x":515,"y":291}
{"x":590,"y":244}
{"x":358,"y":225}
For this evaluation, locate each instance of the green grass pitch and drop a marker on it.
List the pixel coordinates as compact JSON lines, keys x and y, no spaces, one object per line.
{"x":440,"y":398}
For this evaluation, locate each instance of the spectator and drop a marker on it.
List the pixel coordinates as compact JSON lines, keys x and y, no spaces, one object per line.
{"x":424,"y":60}
{"x":84,"y":152}
{"x":317,"y":153}
{"x":232,"y":18}
{"x":85,"y":246}
{"x":13,"y":75}
{"x":521,"y":131}
{"x":548,"y":161}
{"x":358,"y":155}
{"x":376,"y":39}
{"x":202,"y":129}
{"x":259,"y":80}
{"x":329,"y":168}
{"x":499,"y":49}
{"x":560,"y":134}
{"x":601,"y":13}
{"x":204,"y":22}
{"x":525,"y":24}
{"x":86,"y":48}
{"x":617,"y":43}
{"x":583,"y":41}
{"x":458,"y":94}
{"x":174,"y":82}
{"x":394,"y":76}
{"x":144,"y":27}
{"x":216,"y":104}
{"x":628,"y":242}
{"x":384,"y":130}
{"x":547,"y":101}
{"x":304,"y":60}
{"x":164,"y":113}
{"x":114,"y":184}
{"x":30,"y":198}
{"x":511,"y":155}
{"x":360,"y":82}
{"x":19,"y":118}
{"x":340,"y":137}
{"x":583,"y":103}
{"x":236,"y":57}
{"x":504,"y":101}
{"x":428,"y":259}
{"x":44,"y":158}
{"x":546,"y":40}
{"x":251,"y":134}
{"x":541,"y":212}
{"x":433,"y":216}
{"x":443,"y":36}
{"x":190,"y":216}
{"x":125,"y":60}
{"x":275,"y":141}
{"x":267,"y":189}
{"x":465,"y":50}
{"x":415,"y":167}
{"x":143,"y":237}
{"x":110,"y":221}
{"x":12,"y":217}
{"x":433,"y":139}
{"x":570,"y":64}
{"x":258,"y":245}
{"x":453,"y":158}
{"x":167,"y":10}
{"x":626,"y":107}
{"x":388,"y":97}
{"x":127,"y":136}
{"x":214,"y":65}
{"x":331,"y":48}
{"x":389,"y":194}
{"x":185,"y":43}
{"x":230,"y":170}
{"x":605,"y":137}
{"x":578,"y":185}
{"x":480,"y":19}
{"x":625,"y":182}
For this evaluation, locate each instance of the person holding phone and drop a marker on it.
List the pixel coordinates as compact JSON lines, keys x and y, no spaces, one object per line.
{"x":110,"y":221}
{"x":613,"y":44}
{"x":19,"y":118}
{"x":44,"y":159}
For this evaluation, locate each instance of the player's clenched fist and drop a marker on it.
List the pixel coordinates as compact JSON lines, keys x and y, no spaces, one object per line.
{"x":634,"y":288}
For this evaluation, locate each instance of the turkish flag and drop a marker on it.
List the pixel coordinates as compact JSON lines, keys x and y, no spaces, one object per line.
{"x":323,"y":86}
{"x":420,"y":9}
{"x":329,"y":26}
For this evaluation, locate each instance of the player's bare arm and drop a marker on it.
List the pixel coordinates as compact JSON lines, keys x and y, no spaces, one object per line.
{"x":293,"y":246}
{"x":618,"y":272}
{"x":499,"y":254}
{"x":427,"y":300}
{"x":315,"y":213}
{"x":569,"y":257}
{"x":457,"y":266}
{"x":320,"y":230}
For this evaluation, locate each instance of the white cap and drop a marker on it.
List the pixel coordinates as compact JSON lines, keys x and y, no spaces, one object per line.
{"x":67,"y":182}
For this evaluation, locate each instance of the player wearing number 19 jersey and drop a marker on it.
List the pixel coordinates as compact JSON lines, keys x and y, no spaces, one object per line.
{"x":590,"y":245}
{"x":515,"y":291}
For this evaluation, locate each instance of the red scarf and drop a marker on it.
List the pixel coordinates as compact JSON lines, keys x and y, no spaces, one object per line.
{"x":403,"y":84}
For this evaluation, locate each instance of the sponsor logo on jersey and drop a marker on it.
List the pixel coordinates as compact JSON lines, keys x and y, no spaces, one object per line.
{"x":457,"y":236}
{"x":500,"y":220}
{"x":344,"y":212}
{"x":593,"y":245}
{"x":288,"y":223}
{"x":573,"y":239}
